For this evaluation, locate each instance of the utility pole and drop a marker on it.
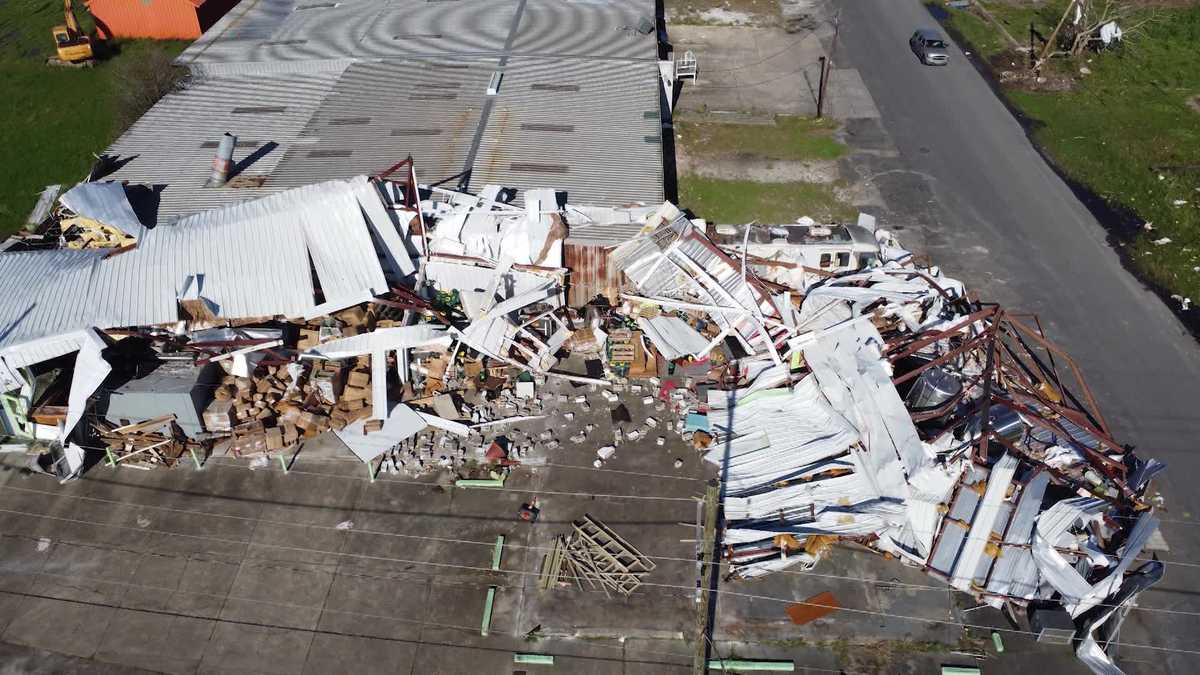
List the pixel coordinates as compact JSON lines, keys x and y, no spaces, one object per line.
{"x":821,"y":85}
{"x":1032,"y":58}
{"x":827,"y":64}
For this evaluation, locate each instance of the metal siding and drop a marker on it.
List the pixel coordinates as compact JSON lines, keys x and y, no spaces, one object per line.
{"x":159,"y":19}
{"x":590,"y":274}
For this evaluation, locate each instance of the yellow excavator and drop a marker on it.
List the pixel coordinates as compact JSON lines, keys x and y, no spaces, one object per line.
{"x":74,"y":48}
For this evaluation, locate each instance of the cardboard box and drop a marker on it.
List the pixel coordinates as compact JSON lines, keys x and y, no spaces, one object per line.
{"x":311,"y":422}
{"x":357,"y":378}
{"x":354,"y":316}
{"x":309,"y":338}
{"x":219,"y":416}
{"x":249,"y":444}
{"x":274,"y":438}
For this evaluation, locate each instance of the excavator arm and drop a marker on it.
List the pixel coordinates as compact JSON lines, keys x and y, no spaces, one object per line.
{"x":72,"y":22}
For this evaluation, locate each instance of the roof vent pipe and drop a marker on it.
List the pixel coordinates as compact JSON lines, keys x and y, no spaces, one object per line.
{"x":222,"y":161}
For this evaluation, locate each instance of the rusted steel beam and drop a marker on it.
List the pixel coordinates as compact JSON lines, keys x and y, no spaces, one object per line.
{"x":1064,"y":478}
{"x":988,"y":370}
{"x":1053,"y":348}
{"x":1112,"y":465}
{"x":966,"y":346}
{"x":914,"y":347}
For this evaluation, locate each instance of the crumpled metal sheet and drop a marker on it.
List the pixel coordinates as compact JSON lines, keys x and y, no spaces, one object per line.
{"x":105,"y":202}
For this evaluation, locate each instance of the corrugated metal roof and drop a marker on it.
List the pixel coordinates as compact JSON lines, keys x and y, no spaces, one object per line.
{"x":381,"y":112}
{"x":172,"y":145}
{"x":291,"y":30}
{"x":608,"y":29}
{"x":337,"y":90}
{"x":579,"y":126}
{"x":254,"y":259}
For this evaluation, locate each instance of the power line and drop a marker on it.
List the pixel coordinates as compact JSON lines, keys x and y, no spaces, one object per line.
{"x":689,"y":589}
{"x":323,"y":609}
{"x":745,"y":85}
{"x":469,"y":629}
{"x":781,"y":52}
{"x":543,"y":548}
{"x":373,"y":636}
{"x":565,"y":493}
{"x":390,"y":479}
{"x":524,"y":573}
{"x":448,"y":540}
{"x":621,"y":471}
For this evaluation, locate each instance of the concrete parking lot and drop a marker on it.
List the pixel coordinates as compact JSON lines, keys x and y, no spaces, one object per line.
{"x":229,"y":569}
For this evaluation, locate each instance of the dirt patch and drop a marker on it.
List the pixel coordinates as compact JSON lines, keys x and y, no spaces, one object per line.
{"x":759,"y":13}
{"x":757,"y":169}
{"x":1012,"y":70}
{"x":1194,"y":103}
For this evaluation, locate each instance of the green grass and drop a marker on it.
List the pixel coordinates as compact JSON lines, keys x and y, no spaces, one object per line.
{"x":1129,"y":115}
{"x":52,"y":120}
{"x":790,"y":137}
{"x":739,"y":201}
{"x":983,"y":35}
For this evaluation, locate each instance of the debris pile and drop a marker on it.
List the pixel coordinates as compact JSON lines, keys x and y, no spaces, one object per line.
{"x":595,"y":558}
{"x":843,"y":391}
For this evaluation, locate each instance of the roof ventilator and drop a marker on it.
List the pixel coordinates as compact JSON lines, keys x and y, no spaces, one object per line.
{"x":222,"y":161}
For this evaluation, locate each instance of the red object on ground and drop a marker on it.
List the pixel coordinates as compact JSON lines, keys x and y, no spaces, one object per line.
{"x":530,"y":512}
{"x":813,"y":608}
{"x":495,"y":452}
{"x":159,"y":19}
{"x":664,"y":392}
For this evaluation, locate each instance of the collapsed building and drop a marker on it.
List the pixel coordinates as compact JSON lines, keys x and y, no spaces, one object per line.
{"x":843,"y":391}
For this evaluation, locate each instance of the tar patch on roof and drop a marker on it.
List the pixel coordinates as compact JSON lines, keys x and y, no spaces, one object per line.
{"x":540,"y":168}
{"x":554,"y":87}
{"x":258,"y":109}
{"x":547,"y":127}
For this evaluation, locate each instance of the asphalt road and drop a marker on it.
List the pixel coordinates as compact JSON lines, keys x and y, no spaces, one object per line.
{"x":1004,"y":222}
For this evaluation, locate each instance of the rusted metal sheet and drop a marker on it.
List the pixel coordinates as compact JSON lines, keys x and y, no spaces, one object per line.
{"x":590,"y":274}
{"x":813,"y":608}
